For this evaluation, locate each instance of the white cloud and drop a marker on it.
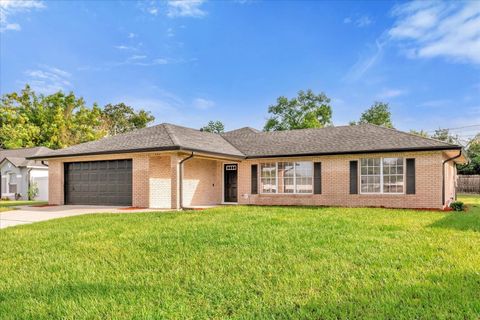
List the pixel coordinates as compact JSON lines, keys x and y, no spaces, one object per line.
{"x":137,"y":57}
{"x":439,"y":29}
{"x":124,"y":47}
{"x":185,"y":8}
{"x":365,"y":63}
{"x":153,"y":10}
{"x":170,"y":32}
{"x":362,"y":21}
{"x":203,"y":104}
{"x":9,"y":8}
{"x":391,"y":93}
{"x":131,"y":35}
{"x":48,"y":79}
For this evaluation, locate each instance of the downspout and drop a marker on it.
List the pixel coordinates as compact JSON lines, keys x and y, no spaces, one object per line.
{"x":43,"y":162}
{"x":180,"y":179}
{"x":443,"y":174}
{"x":28,"y":182}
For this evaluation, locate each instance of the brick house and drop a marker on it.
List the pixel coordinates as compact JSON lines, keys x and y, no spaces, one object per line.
{"x":168,"y":166}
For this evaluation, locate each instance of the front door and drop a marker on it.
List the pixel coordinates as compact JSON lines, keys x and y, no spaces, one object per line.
{"x":230,"y":182}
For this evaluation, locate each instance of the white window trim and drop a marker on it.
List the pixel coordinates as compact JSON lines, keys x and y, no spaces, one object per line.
{"x":276,"y":180}
{"x":381,"y":177}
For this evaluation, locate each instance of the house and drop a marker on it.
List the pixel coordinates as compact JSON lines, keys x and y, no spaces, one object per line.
{"x":17,"y":173}
{"x":169,"y":166}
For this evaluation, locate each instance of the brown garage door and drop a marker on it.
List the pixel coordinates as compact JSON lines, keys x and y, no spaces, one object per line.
{"x":99,"y":183}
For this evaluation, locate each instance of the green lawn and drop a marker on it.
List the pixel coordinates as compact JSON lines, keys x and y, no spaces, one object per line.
{"x":245,"y":262}
{"x":6,"y":205}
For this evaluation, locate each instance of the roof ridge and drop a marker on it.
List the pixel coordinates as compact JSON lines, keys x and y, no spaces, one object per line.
{"x":221,"y":135}
{"x":412,"y":134}
{"x":171,"y":135}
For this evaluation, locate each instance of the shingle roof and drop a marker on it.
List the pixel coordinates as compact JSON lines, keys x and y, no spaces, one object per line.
{"x":250,"y":143}
{"x":330,"y":140}
{"x":164,"y":136}
{"x":18,"y":156}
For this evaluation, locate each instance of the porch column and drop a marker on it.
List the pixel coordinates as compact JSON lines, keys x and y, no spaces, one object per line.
{"x":174,"y":177}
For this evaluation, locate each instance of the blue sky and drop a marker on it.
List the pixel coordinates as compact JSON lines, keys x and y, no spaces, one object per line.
{"x":193,"y":61}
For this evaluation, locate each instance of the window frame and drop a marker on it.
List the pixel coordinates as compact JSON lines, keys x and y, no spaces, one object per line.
{"x":382,"y":177}
{"x":9,"y":183}
{"x":276,"y":178}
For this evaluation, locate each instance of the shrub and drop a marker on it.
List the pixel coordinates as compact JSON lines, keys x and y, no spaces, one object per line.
{"x":32,"y":191}
{"x":457,"y":206}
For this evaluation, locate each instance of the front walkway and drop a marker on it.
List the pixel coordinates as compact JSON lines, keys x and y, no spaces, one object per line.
{"x":28,"y":214}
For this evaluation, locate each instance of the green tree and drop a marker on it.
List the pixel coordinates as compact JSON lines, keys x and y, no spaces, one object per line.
{"x":378,"y":114}
{"x":473,"y":152}
{"x":214,"y":126}
{"x":55,"y":121}
{"x":420,"y":133}
{"x":307,"y":110}
{"x":121,"y":118}
{"x":444,"y":135}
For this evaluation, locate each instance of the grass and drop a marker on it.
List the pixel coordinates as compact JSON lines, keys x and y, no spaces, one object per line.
{"x":245,"y":262}
{"x":7,"y":205}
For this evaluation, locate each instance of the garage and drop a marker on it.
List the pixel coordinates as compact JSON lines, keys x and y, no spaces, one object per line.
{"x":98,"y":182}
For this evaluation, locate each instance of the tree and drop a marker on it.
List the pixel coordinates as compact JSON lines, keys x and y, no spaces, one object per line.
{"x":121,"y":118}
{"x":214,"y":126}
{"x":379,"y":114}
{"x":55,"y":121}
{"x":420,"y":133}
{"x":444,"y":135}
{"x":473,"y":152}
{"x":307,"y":110}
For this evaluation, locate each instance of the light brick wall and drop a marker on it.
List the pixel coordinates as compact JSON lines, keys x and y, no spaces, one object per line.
{"x":160,"y":182}
{"x":55,"y":182}
{"x":155,"y":181}
{"x":201,"y":183}
{"x":336,"y":182}
{"x":140,"y":174}
{"x":140,"y":181}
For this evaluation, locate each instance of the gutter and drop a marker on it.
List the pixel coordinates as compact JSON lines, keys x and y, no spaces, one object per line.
{"x":175,"y":148}
{"x":443,"y":174}
{"x":180,"y":179}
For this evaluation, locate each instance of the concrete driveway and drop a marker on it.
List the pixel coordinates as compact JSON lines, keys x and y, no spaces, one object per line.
{"x":28,"y":214}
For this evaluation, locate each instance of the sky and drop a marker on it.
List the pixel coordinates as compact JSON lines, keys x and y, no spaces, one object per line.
{"x":192,"y":61}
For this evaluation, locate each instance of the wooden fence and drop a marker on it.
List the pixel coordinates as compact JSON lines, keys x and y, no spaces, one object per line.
{"x":468,"y":184}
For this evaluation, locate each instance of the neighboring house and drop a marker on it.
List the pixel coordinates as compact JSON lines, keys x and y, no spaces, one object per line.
{"x":168,"y":166}
{"x":17,"y":173}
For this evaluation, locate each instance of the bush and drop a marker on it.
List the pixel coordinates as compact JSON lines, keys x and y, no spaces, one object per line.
{"x":32,"y":191}
{"x":457,"y":206}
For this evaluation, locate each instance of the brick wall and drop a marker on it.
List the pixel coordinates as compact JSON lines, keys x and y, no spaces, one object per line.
{"x":55,"y":182}
{"x":160,"y":182}
{"x":155,"y":181}
{"x":336,"y":182}
{"x":140,"y":175}
{"x":201,"y":182}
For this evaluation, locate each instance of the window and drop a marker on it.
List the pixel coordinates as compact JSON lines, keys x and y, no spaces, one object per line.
{"x":268,"y":178}
{"x":286,"y":177}
{"x":12,"y":183}
{"x":393,"y":175}
{"x":382,"y":175}
{"x":370,"y":175}
{"x":304,"y":177}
